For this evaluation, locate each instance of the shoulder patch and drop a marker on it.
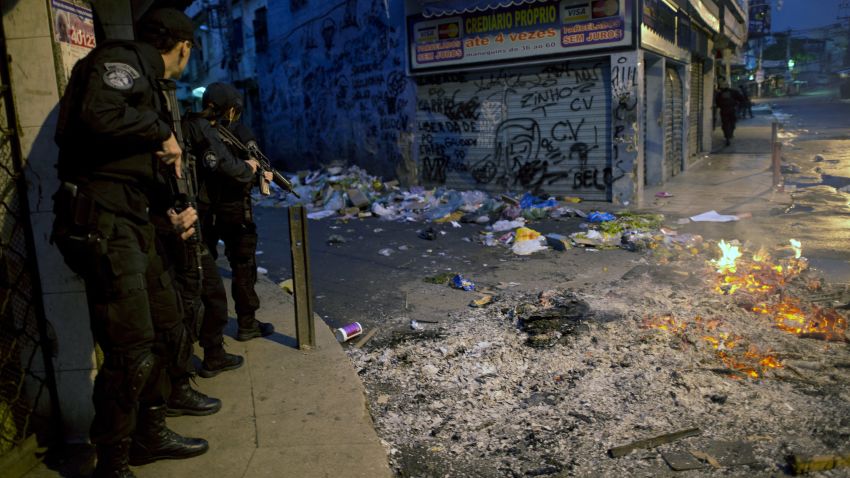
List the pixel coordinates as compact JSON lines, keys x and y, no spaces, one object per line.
{"x":120,"y":76}
{"x":210,"y":160}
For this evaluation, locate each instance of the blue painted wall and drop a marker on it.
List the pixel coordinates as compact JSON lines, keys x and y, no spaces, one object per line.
{"x":333,"y":84}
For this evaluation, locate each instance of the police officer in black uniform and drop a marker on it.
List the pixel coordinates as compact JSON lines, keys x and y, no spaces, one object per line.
{"x":114,"y":143}
{"x":215,"y":161}
{"x":232,"y":221}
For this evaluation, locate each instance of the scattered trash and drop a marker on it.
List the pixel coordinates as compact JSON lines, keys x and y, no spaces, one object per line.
{"x":428,"y":234}
{"x":345,"y":333}
{"x":321,"y":214}
{"x":481,"y":301}
{"x":663,"y":194}
{"x":558,"y":242}
{"x":440,"y":279}
{"x":386,"y":252}
{"x":503,"y":225}
{"x":458,"y":282}
{"x":416,"y":325}
{"x":262,"y":270}
{"x":528,"y":241}
{"x":624,"y":450}
{"x":358,"y":199}
{"x":335,"y":239}
{"x":362,"y":340}
{"x":600,"y":217}
{"x":530,"y":201}
{"x":806,"y":464}
{"x":713,"y":216}
{"x":287,"y":286}
{"x":570,"y":199}
{"x":506,"y":285}
{"x":683,"y":220}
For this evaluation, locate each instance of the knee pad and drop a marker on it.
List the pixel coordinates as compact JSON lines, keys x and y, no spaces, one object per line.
{"x":177,"y":345}
{"x":122,"y":379}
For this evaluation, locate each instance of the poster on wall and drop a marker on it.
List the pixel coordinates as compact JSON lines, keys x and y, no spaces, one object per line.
{"x":523,"y":31}
{"x":73,"y":32}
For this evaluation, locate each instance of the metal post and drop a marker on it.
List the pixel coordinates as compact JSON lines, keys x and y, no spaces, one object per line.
{"x":777,"y":160}
{"x":774,"y":153}
{"x":305,"y":330}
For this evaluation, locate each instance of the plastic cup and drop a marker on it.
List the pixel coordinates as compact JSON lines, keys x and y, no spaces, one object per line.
{"x":346,"y":333}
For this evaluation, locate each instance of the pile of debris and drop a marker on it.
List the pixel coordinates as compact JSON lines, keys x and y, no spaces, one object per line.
{"x":663,"y":370}
{"x":351,"y":193}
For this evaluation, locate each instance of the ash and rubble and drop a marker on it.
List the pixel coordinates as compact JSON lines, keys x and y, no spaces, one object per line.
{"x":546,"y":384}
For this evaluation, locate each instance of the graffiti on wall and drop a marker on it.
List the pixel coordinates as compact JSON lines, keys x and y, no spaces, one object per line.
{"x":335,"y":89}
{"x":541,"y":129}
{"x":624,"y":116}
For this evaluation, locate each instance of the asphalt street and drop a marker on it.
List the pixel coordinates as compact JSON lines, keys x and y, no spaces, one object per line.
{"x":353,"y":281}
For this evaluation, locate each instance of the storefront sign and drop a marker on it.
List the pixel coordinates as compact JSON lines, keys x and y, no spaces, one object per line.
{"x":519,"y":32}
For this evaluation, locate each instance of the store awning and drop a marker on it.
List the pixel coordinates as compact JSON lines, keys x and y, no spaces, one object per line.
{"x":454,"y":7}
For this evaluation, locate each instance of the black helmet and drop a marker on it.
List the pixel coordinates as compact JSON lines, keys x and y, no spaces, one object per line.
{"x":167,"y":22}
{"x":222,"y":96}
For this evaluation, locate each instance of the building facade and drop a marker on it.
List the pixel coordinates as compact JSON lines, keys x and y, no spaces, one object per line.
{"x":591,"y":98}
{"x":594,"y":99}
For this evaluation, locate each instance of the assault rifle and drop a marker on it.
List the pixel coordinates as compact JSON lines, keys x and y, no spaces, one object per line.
{"x":265,"y":165}
{"x":184,"y":191}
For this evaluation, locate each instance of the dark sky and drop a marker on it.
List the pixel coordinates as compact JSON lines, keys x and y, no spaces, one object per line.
{"x":802,"y":14}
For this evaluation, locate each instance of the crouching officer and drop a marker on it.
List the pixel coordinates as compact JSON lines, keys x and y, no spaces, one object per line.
{"x":233,"y":219}
{"x":214,"y":161}
{"x":113,"y":139}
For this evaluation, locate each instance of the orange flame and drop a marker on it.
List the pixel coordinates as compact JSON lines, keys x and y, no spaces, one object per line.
{"x":726,"y":263}
{"x":789,"y":316}
{"x":667,"y":323}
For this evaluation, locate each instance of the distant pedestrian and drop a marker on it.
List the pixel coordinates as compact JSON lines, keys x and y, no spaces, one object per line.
{"x":746,"y":106}
{"x":727,"y":100}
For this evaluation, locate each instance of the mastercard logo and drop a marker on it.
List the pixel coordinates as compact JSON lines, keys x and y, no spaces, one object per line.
{"x":448,"y":30}
{"x":605,"y":8}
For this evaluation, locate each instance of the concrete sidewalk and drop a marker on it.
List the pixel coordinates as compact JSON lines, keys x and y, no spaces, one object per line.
{"x":730,"y":179}
{"x":285,"y":413}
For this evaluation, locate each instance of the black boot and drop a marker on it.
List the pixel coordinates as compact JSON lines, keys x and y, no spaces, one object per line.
{"x":153,"y":441}
{"x":112,"y":460}
{"x":216,"y":360}
{"x":250,"y":328}
{"x":185,"y":400}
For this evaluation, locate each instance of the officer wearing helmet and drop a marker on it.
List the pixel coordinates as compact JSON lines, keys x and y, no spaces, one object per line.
{"x":231,"y":219}
{"x":114,"y":141}
{"x":216,"y":164}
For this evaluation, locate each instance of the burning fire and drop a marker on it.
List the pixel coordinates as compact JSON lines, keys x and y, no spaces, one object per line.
{"x":757,"y":276}
{"x":789,"y":316}
{"x":727,"y":262}
{"x":752,"y":362}
{"x":667,"y":323}
{"x":798,"y":248}
{"x":727,"y":347}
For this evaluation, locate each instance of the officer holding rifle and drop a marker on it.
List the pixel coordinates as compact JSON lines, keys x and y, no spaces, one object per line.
{"x":115,"y":145}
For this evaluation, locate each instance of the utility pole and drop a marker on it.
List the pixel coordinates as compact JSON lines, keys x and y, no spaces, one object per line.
{"x":788,"y":60}
{"x":844,"y":14}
